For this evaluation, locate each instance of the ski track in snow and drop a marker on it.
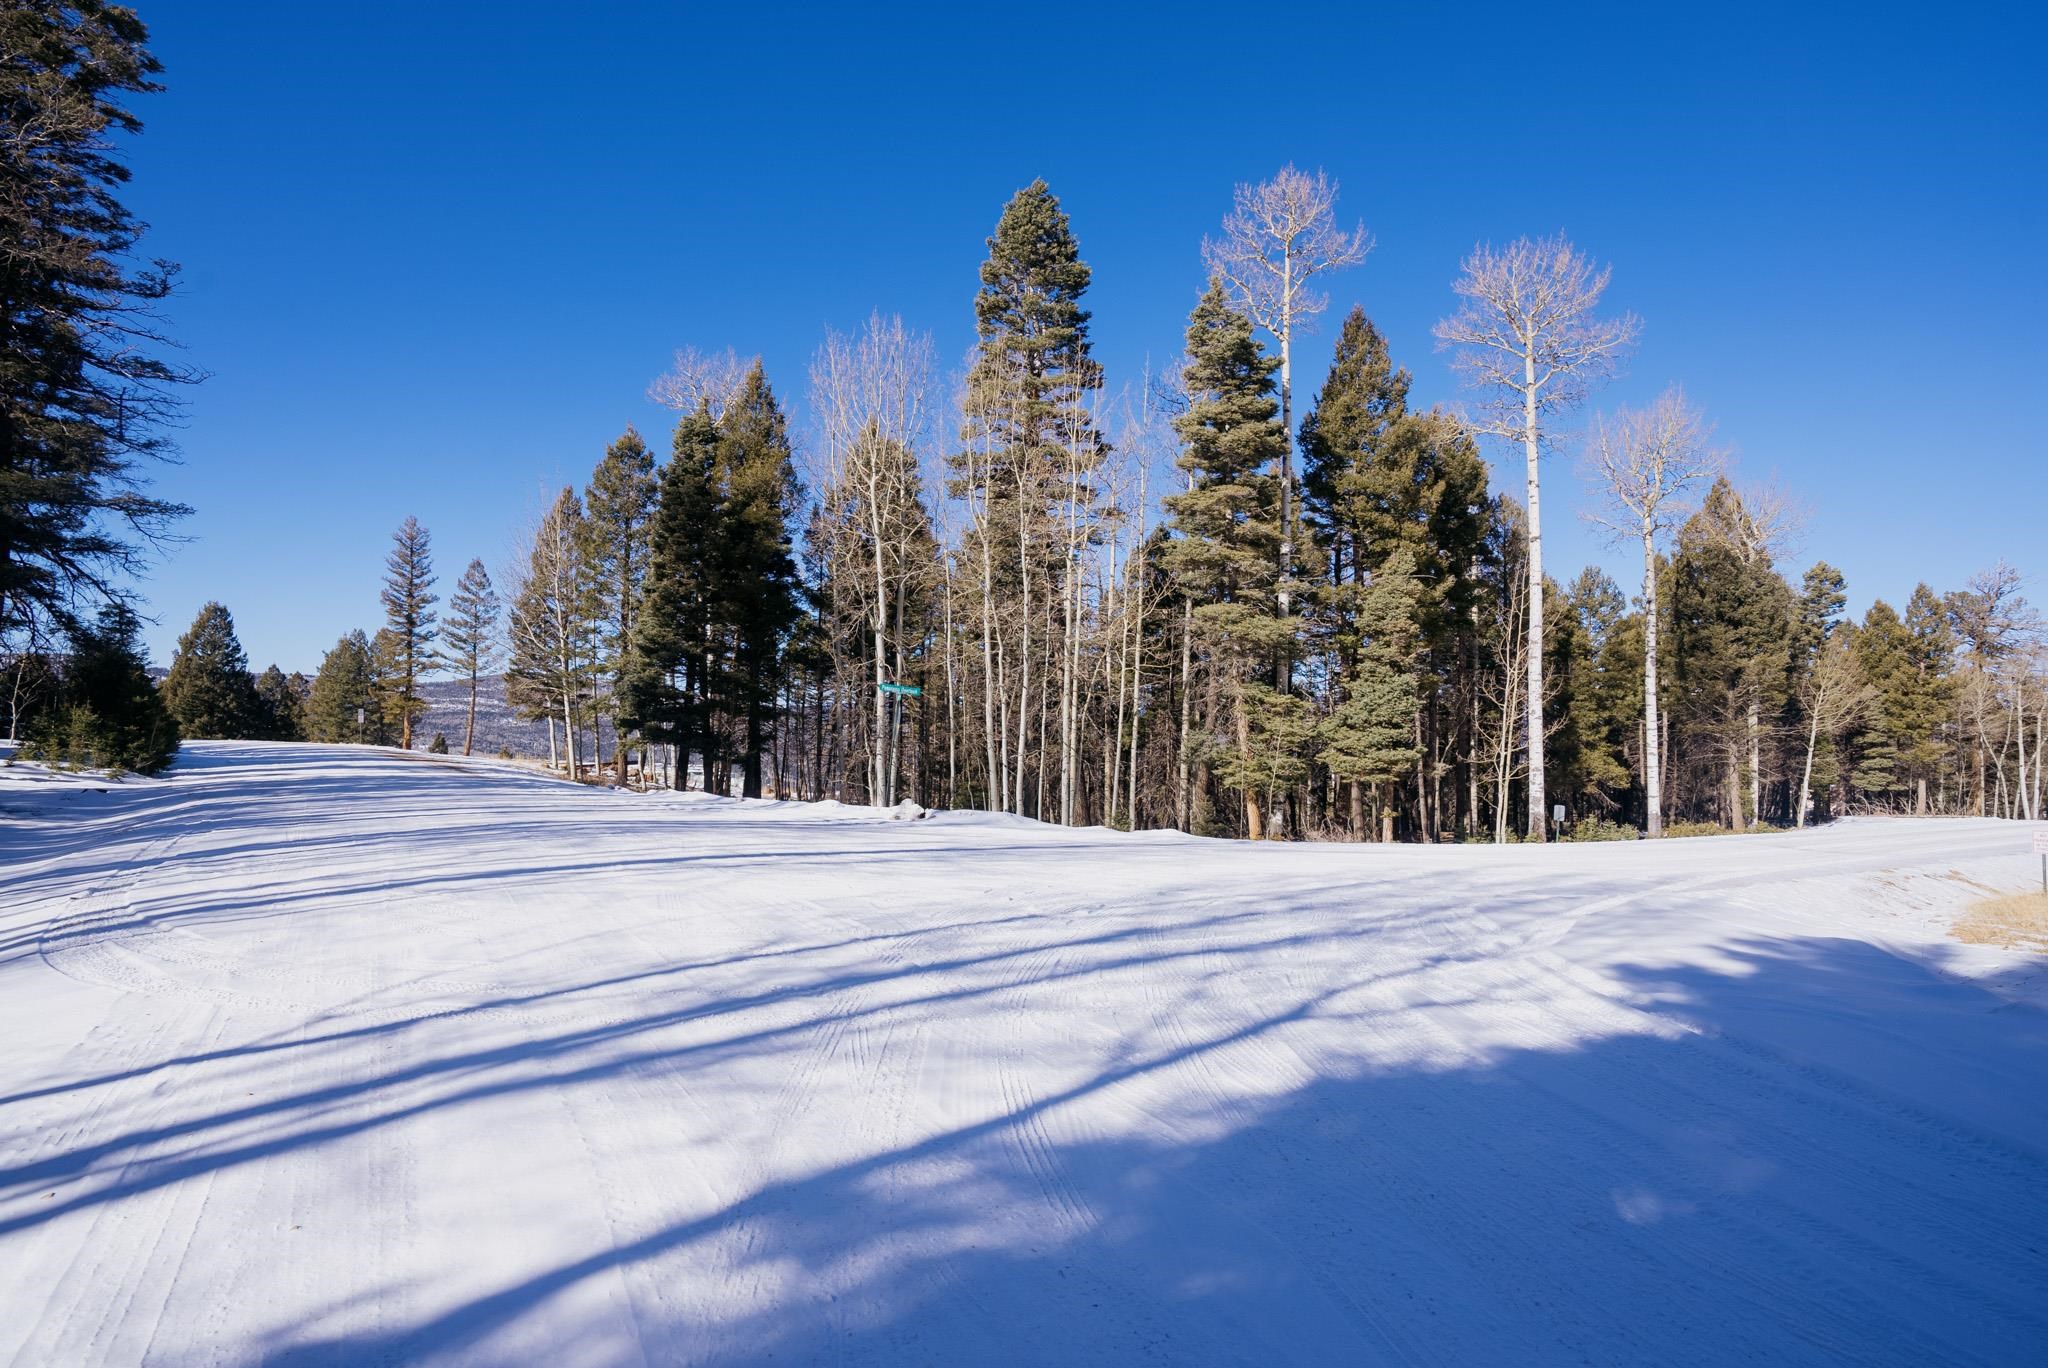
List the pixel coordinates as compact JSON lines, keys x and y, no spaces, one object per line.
{"x":328,"y":1056}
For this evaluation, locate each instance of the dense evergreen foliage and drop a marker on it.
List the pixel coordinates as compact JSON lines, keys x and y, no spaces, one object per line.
{"x":208,"y":689}
{"x":106,"y":712}
{"x":85,"y":393}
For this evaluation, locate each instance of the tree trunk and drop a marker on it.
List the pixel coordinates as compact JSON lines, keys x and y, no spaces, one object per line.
{"x":1653,"y":766}
{"x":469,"y":728}
{"x":1533,"y":705}
{"x":1806,"y":778}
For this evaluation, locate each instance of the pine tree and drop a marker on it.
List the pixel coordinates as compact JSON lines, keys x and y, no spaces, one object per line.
{"x":1225,"y":557}
{"x":281,"y":705}
{"x":392,"y":707}
{"x":82,"y":400}
{"x":754,"y":577}
{"x":469,"y":638}
{"x":1732,"y":637}
{"x":108,"y":714}
{"x":1028,"y":474}
{"x":340,"y":706}
{"x":208,"y":688}
{"x":1369,"y":739}
{"x":409,"y":616}
{"x":1594,"y":696}
{"x":1342,"y":439}
{"x":617,"y":508}
{"x":1933,"y":653}
{"x":663,"y":694}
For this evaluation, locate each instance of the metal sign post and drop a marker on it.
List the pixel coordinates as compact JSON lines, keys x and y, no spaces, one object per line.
{"x":2041,"y":849}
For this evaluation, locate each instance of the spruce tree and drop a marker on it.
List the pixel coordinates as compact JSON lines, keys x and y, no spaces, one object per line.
{"x":469,"y":637}
{"x":1343,"y":438}
{"x":618,"y":505}
{"x":1933,"y":653}
{"x":281,"y":705}
{"x":1732,"y":628}
{"x":83,"y":398}
{"x":1593,"y":697}
{"x":108,"y":713}
{"x":1225,"y":556}
{"x":409,"y":616}
{"x":340,"y":706}
{"x":1029,"y":469}
{"x":754,"y":581}
{"x":208,"y":688}
{"x":663,"y":693}
{"x":392,"y":707}
{"x":1369,"y":740}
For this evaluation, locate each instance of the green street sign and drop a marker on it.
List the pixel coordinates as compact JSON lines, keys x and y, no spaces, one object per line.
{"x":907,"y":690}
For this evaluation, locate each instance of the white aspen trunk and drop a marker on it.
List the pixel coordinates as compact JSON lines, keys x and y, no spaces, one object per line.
{"x":988,"y":668}
{"x":1806,"y":778}
{"x":1113,"y":752}
{"x":878,"y":777}
{"x":1285,"y":334}
{"x":1538,"y":828}
{"x":952,"y":694}
{"x":1024,"y":654}
{"x":1137,"y":649}
{"x":1756,"y":767}
{"x":1187,"y":688}
{"x":554,"y":757}
{"x":1653,"y":759}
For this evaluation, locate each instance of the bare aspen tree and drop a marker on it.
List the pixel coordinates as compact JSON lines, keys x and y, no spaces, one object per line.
{"x":1644,"y":462}
{"x":696,"y":379}
{"x":1526,"y":336}
{"x":1280,"y":235}
{"x":1834,"y":694}
{"x":872,"y":397}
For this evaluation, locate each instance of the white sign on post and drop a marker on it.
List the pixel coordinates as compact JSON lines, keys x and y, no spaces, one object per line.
{"x":2041,"y":843}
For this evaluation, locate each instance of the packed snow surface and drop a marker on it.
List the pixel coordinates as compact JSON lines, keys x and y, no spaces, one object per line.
{"x":337,"y":1056}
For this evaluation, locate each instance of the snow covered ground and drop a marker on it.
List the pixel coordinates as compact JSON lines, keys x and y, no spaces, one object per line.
{"x":332,"y":1056}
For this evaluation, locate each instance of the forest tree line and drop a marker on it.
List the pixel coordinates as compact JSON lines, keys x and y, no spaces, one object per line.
{"x":1222,"y":598}
{"x":1173,"y":607}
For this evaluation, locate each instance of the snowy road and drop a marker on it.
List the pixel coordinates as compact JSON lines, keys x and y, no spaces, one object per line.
{"x":325,"y":1056}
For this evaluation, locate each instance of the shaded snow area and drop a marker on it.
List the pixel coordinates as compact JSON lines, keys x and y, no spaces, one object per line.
{"x":336,"y":1056}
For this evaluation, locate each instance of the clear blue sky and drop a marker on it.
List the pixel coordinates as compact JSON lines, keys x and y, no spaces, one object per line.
{"x":435,"y":252}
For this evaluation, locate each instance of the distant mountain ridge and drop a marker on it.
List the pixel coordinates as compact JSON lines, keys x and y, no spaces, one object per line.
{"x":498,"y":727}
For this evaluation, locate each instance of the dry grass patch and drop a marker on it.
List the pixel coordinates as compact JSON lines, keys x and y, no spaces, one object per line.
{"x":2018,"y":921}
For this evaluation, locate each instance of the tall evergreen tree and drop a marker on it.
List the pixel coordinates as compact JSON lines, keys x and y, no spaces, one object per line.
{"x":1225,"y":556}
{"x":1029,"y":474}
{"x":1933,"y":654}
{"x":409,"y":616}
{"x":84,"y":396}
{"x":755,"y":579}
{"x":1342,"y":441}
{"x":1732,"y":628}
{"x":617,"y":507}
{"x":208,"y":688}
{"x":469,"y":637}
{"x":663,"y":694}
{"x":341,"y":705}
